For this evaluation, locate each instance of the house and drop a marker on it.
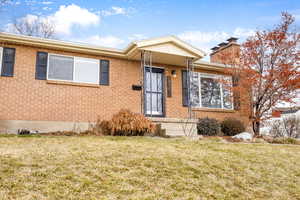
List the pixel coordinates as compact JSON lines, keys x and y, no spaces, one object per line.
{"x":278,"y":115}
{"x":278,"y":112}
{"x":48,"y":85}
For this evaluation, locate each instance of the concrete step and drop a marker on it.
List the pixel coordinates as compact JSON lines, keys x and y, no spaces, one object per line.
{"x":176,"y":126}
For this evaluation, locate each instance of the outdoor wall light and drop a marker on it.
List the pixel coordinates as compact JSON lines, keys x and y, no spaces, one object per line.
{"x":173,"y":72}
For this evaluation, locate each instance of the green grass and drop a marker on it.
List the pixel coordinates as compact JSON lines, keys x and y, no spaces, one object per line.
{"x":145,"y":168}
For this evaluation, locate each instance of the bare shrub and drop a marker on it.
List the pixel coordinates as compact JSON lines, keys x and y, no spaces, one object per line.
{"x":291,"y":126}
{"x":286,"y":127}
{"x":188,"y":127}
{"x":126,"y":123}
{"x":276,"y":129}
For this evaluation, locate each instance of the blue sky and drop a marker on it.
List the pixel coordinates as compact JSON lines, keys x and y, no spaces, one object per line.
{"x":114,"y":23}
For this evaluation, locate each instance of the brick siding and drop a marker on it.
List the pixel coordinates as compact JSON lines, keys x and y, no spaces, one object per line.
{"x":25,"y":98}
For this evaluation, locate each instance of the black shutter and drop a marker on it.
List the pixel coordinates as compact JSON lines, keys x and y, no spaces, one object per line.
{"x":104,"y":72}
{"x":41,"y":66}
{"x":8,"y":62}
{"x":236,"y":95}
{"x":185,"y":96}
{"x":169,"y":86}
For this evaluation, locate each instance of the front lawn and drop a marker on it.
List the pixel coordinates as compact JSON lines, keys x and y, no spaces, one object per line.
{"x":145,"y":168}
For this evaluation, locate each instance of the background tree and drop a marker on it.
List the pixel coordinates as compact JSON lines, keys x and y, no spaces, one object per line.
{"x":34,"y":26}
{"x":268,"y":71}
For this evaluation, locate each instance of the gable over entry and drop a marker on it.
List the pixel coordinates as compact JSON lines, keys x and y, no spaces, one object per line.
{"x":165,"y":50}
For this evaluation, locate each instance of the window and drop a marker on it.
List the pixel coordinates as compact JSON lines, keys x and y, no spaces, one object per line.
{"x":104,"y":72}
{"x":61,"y":68}
{"x":74,"y":69}
{"x":86,"y":70}
{"x":7,"y":61}
{"x":227,"y":95}
{"x":208,"y":92}
{"x":41,"y":65}
{"x":1,"y":53}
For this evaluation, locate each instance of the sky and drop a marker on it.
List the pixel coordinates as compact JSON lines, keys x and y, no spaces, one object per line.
{"x":115,"y":23}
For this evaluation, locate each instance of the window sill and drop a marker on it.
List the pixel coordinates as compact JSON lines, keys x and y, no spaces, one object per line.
{"x":72,"y":84}
{"x":214,"y":110}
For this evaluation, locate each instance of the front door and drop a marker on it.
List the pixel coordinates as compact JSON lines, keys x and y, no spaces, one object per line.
{"x":154,"y":92}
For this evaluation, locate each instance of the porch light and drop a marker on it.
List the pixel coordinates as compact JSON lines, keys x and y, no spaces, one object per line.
{"x":173,"y":72}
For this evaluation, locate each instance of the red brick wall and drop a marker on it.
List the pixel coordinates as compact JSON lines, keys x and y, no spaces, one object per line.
{"x":228,"y":54}
{"x":25,"y":98}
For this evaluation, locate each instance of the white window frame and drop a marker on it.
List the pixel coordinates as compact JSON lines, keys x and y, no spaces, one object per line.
{"x":1,"y":57}
{"x":74,"y":58}
{"x":213,"y":76}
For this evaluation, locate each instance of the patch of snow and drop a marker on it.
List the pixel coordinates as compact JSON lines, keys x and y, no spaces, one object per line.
{"x":243,"y":136}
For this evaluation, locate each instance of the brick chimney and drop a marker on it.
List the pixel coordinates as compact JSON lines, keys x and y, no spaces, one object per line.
{"x":226,"y":52}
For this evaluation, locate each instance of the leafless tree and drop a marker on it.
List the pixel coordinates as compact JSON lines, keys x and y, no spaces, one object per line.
{"x":188,"y":127}
{"x":276,"y":129}
{"x":36,"y":26}
{"x":286,"y":127}
{"x":291,"y":126}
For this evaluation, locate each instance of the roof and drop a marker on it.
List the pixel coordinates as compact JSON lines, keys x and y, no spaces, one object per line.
{"x":210,"y":66}
{"x":287,"y":109}
{"x":167,"y":39}
{"x":167,"y":49}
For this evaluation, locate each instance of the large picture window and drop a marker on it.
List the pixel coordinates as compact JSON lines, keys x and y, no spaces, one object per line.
{"x":61,"y":68}
{"x":208,"y":92}
{"x":74,"y":69}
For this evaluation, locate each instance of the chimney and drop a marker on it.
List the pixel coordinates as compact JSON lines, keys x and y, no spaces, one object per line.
{"x":226,"y":52}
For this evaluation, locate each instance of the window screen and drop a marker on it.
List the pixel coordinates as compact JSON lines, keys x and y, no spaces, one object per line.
{"x":60,"y":68}
{"x":8,"y":61}
{"x":210,"y":93}
{"x":227,"y":94}
{"x":185,"y":95}
{"x":41,"y":65}
{"x":194,"y":96}
{"x":104,"y":72}
{"x":86,"y":70}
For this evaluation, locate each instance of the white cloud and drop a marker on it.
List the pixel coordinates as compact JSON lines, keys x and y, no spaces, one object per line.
{"x":243,"y":33}
{"x":46,"y":2}
{"x":64,"y":19}
{"x":115,"y":10}
{"x":203,"y":40}
{"x":28,"y":18}
{"x":207,"y":40}
{"x":135,"y":37}
{"x":68,"y":16}
{"x":107,"y":41}
{"x":296,"y":14}
{"x":47,"y":8}
{"x":203,"y":37}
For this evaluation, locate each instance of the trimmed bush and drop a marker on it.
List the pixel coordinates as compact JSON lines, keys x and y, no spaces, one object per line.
{"x":126,"y":123}
{"x":232,"y":126}
{"x":208,"y":126}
